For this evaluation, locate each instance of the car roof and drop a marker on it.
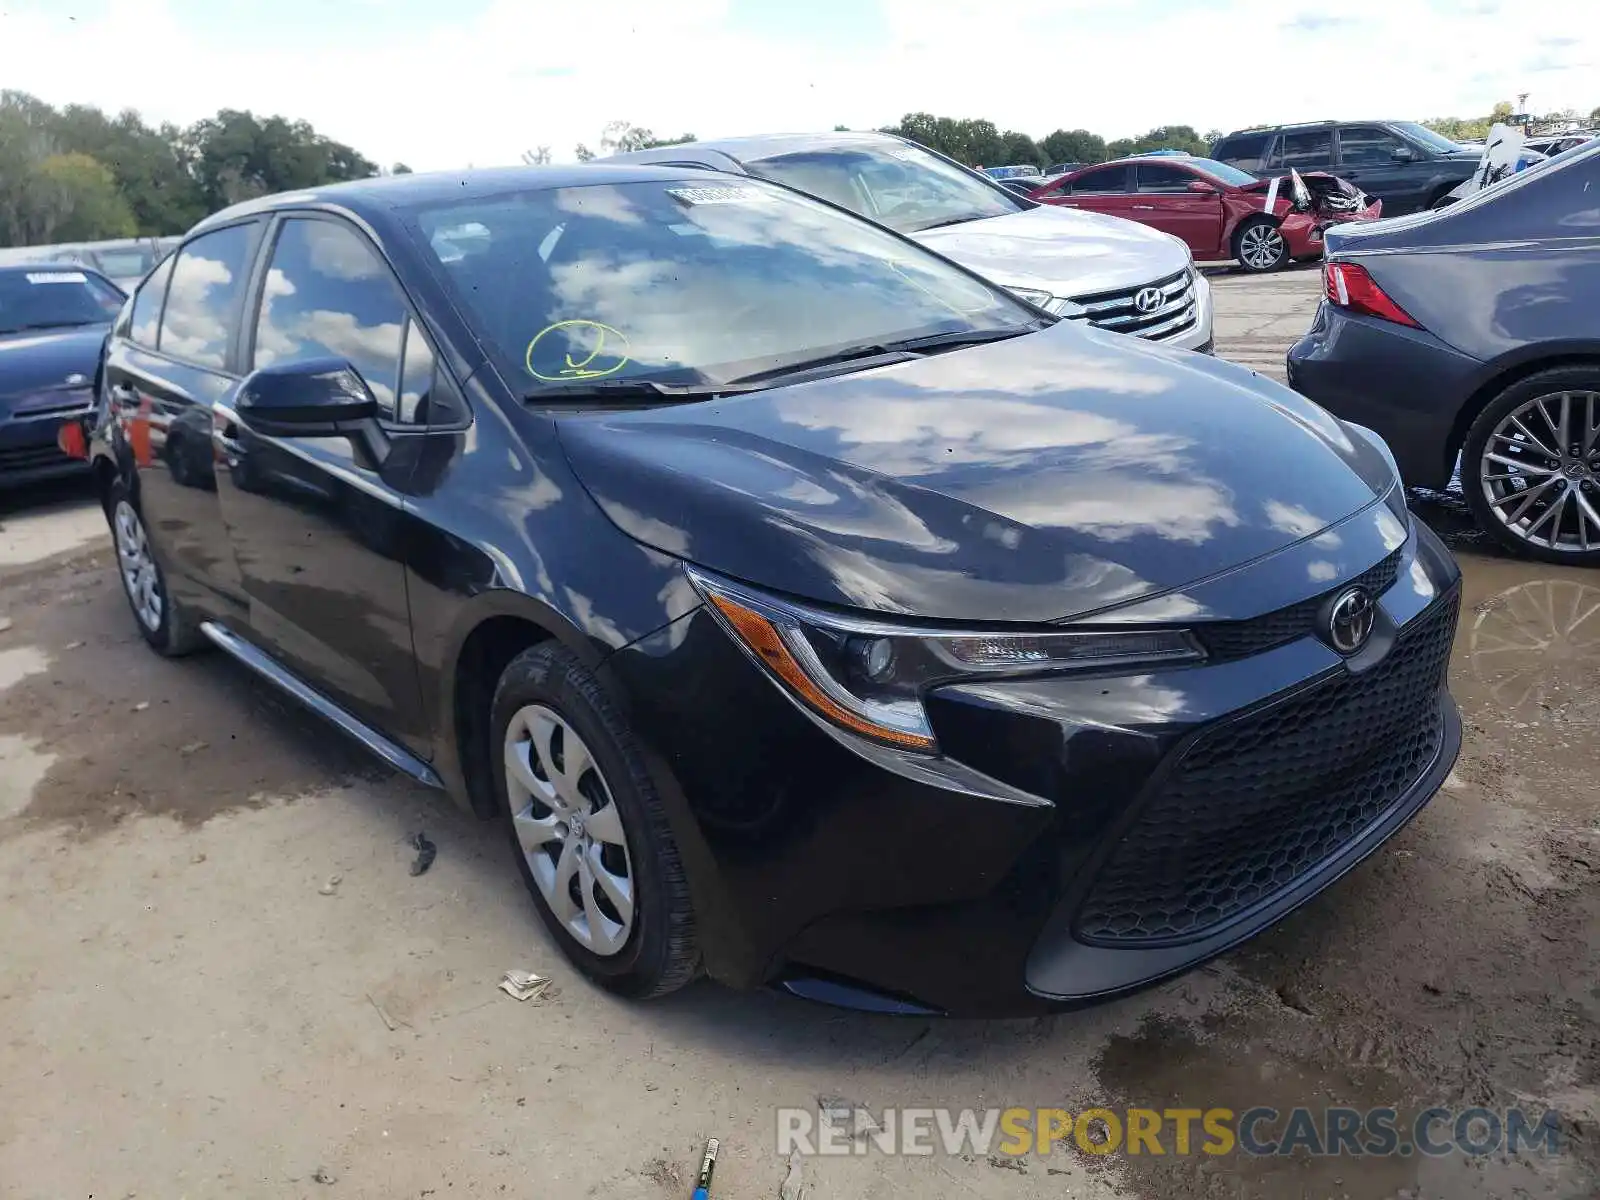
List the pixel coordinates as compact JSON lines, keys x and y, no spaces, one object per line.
{"x":746,"y":149}
{"x":365,"y":197}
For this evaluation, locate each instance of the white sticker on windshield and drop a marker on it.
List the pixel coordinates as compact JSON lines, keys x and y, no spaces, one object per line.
{"x":57,"y":277}
{"x":718,"y":195}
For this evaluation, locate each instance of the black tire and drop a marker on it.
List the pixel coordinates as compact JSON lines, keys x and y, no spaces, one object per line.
{"x":1544,"y":384}
{"x":177,"y":632}
{"x":1246,"y":233}
{"x":661,"y":952}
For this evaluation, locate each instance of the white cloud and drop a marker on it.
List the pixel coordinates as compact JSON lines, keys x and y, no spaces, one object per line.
{"x":480,"y":89}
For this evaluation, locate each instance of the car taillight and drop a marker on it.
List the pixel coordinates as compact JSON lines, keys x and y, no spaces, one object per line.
{"x":1349,"y":286}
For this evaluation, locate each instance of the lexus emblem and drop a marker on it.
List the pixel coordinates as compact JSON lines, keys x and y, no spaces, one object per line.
{"x":1350,"y":620}
{"x":1147,"y":300}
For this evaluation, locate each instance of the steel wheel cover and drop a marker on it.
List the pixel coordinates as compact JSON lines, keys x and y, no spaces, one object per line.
{"x":1540,"y":472}
{"x":570,"y":829}
{"x":138,"y":567}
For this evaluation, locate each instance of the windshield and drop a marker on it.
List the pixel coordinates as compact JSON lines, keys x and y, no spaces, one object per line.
{"x":1221,"y":172}
{"x":46,"y":297}
{"x":689,"y":282}
{"x":125,"y":264}
{"x":1430,"y":139}
{"x":894,"y":183}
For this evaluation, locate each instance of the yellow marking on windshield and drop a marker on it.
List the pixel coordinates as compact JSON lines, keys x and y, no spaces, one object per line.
{"x":586,"y":367}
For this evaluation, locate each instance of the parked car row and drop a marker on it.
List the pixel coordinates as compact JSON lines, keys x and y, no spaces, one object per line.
{"x":125,"y":261}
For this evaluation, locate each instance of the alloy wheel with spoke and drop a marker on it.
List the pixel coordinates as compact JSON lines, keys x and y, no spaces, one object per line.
{"x":570,"y":829}
{"x":1540,"y":472}
{"x":137,"y":565}
{"x":1261,"y":246}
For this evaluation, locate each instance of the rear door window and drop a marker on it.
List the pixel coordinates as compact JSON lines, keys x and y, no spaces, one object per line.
{"x":147,"y":305}
{"x":203,"y":297}
{"x":1307,"y":149}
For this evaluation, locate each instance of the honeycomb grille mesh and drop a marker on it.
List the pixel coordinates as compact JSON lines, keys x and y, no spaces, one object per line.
{"x":1256,"y":804}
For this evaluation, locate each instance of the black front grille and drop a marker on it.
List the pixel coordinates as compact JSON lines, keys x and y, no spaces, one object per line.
{"x":1255,"y":804}
{"x":1238,"y":639}
{"x":31,"y":458}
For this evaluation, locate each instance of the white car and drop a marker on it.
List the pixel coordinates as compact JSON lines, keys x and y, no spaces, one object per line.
{"x":1113,"y":273}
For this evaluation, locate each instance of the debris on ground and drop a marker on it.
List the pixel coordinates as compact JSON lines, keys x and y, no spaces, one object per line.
{"x":141,"y":706}
{"x":192,"y":748}
{"x":383,"y":1013}
{"x":793,"y":1184}
{"x":323,"y":1175}
{"x":426,"y":852}
{"x":328,"y":888}
{"x":73,"y":646}
{"x":5,"y":624}
{"x":664,"y":1173}
{"x":524,"y":985}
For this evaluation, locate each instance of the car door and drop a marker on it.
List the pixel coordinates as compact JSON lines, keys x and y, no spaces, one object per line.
{"x":316,"y":525}
{"x":163,"y":373}
{"x":1103,"y":189}
{"x":1384,"y":166}
{"x":1167,"y":202}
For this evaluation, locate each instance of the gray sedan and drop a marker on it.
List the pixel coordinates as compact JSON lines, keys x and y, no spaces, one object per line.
{"x":1475,"y":331}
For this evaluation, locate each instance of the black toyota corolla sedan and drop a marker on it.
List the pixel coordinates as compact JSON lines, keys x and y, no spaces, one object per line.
{"x":53,"y":319}
{"x":809,"y":611}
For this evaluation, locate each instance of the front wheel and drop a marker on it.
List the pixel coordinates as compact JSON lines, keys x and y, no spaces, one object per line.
{"x":1260,"y":246}
{"x":1530,"y":467}
{"x":589,"y":832}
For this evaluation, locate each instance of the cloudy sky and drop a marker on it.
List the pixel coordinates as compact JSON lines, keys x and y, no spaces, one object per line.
{"x":448,"y":83}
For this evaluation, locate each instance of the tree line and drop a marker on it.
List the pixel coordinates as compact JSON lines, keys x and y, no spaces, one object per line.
{"x":78,"y":174}
{"x":982,"y":143}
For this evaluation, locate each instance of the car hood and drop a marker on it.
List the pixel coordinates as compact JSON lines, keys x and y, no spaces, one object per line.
{"x":1060,"y":250}
{"x":1049,"y":476}
{"x":42,"y":360}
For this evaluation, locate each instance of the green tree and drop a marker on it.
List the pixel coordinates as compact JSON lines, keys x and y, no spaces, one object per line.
{"x":1162,"y":137}
{"x":1074,"y":145}
{"x":81,"y":202}
{"x":400,"y":169}
{"x":619,"y":137}
{"x":1020,"y":149}
{"x":582,"y":153}
{"x":680,"y":140}
{"x":234,"y":156}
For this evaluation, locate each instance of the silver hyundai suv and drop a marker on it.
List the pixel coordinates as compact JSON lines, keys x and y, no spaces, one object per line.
{"x":1113,"y":273}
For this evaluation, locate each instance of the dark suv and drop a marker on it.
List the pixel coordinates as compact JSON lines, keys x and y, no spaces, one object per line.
{"x":1406,"y":165}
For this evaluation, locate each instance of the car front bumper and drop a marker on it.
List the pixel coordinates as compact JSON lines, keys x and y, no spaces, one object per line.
{"x":29,"y":452}
{"x":1106,"y":831}
{"x":1403,"y":383}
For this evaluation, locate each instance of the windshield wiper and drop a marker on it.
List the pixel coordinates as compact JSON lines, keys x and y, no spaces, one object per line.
{"x":900,"y":349}
{"x":632,"y":389}
{"x":946,"y":221}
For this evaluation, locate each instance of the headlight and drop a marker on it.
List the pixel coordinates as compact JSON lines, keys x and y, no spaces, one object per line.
{"x":1032,"y":296}
{"x":869,"y":677}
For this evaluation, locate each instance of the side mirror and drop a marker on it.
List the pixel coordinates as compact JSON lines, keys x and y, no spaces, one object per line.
{"x":1403,"y":154}
{"x":308,"y":398}
{"x":1201,"y":187}
{"x":314,"y":397}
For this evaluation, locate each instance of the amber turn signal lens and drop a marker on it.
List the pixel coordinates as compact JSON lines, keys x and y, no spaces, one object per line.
{"x":763,"y":638}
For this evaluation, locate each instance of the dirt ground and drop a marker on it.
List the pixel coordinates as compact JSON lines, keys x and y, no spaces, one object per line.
{"x":219,"y":977}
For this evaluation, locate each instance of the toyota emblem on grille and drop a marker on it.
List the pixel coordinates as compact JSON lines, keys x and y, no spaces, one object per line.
{"x":1147,"y":300}
{"x":1350,"y":620}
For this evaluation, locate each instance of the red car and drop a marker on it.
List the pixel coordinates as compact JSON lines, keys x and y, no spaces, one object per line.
{"x":1220,"y":211}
